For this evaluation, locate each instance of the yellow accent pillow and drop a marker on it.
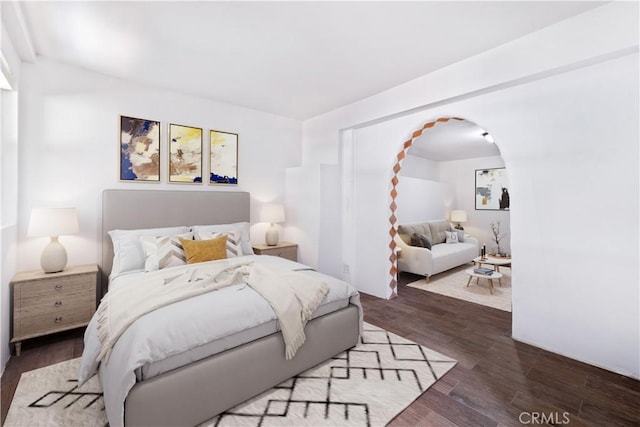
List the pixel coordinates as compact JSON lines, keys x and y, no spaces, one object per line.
{"x":205,"y":250}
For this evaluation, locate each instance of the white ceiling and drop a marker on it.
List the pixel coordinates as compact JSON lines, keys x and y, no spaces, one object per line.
{"x":453,"y":140}
{"x":296,"y":59}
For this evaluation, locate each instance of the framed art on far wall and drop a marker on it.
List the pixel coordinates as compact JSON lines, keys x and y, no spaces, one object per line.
{"x":185,"y":154}
{"x":139,"y":149}
{"x":223,"y":164}
{"x":492,"y":189}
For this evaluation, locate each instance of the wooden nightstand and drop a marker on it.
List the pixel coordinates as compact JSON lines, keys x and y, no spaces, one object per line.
{"x":47,"y":303}
{"x":282,"y":249}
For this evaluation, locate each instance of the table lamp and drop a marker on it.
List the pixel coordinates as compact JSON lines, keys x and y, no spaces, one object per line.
{"x":459,"y":216}
{"x":53,"y":222}
{"x":272,"y":213}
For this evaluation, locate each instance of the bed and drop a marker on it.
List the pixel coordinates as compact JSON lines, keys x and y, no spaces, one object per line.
{"x":190,"y":392}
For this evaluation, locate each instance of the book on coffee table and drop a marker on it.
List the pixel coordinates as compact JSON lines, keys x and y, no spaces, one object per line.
{"x":485,"y":271}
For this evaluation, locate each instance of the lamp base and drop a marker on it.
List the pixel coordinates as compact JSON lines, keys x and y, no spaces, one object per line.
{"x":54,"y":257}
{"x":272,"y":236}
{"x":458,"y":227}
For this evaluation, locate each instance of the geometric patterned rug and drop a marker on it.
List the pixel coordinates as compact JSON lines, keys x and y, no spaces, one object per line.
{"x":367,"y":385}
{"x":453,"y":283}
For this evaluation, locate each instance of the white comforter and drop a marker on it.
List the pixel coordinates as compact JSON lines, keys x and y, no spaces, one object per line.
{"x":183,"y":326}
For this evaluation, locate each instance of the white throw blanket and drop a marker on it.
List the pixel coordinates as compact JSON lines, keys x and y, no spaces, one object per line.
{"x":293,"y":296}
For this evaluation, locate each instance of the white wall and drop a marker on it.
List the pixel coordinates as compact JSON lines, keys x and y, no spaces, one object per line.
{"x":460,"y":174}
{"x":421,"y":200}
{"x":419,"y":167}
{"x":69,"y":139}
{"x":8,"y":194}
{"x":303,"y":192}
{"x":563,"y":105}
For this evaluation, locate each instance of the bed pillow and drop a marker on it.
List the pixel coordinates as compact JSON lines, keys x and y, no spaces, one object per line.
{"x":242,"y":227}
{"x":234,"y":247}
{"x":205,"y":250}
{"x":128,"y":254}
{"x":164,"y":251}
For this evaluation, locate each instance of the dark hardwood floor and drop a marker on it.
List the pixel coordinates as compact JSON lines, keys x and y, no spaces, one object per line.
{"x":497,"y":382}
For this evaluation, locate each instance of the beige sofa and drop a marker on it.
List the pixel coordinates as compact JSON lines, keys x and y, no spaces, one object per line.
{"x":441,"y":257}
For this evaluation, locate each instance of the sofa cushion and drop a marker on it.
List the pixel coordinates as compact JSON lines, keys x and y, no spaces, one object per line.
{"x":438,"y":229}
{"x":450,"y":256}
{"x":407,"y":230}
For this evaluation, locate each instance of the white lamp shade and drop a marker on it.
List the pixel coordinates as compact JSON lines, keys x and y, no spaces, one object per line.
{"x":458,"y":216}
{"x":272,"y":213}
{"x":53,"y":222}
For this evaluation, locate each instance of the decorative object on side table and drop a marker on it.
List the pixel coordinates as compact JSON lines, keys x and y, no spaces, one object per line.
{"x":53,"y":222}
{"x":497,"y":238}
{"x":459,"y":216}
{"x":47,"y":303}
{"x":272,"y":213}
{"x":282,"y":249}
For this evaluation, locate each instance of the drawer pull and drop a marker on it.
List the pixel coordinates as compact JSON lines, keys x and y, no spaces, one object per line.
{"x":58,"y":319}
{"x":58,"y":303}
{"x":58,"y":287}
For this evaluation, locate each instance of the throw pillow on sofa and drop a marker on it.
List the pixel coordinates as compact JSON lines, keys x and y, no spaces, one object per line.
{"x":416,"y":241}
{"x":420,"y":240}
{"x":425,"y":241}
{"x":452,"y":237}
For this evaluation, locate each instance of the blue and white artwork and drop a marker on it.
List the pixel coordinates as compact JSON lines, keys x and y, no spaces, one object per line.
{"x":139,"y":149}
{"x":223,"y":163}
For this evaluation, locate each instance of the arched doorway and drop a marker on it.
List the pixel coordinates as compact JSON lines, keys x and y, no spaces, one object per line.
{"x":447,"y":156}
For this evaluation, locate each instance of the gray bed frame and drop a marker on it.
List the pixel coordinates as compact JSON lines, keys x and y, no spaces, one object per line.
{"x":201,"y":390}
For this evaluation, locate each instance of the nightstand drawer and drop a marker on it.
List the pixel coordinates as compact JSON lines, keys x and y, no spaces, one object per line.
{"x":53,"y":303}
{"x":51,"y":322}
{"x":282,"y":249}
{"x":288,"y":253}
{"x":39,"y":289}
{"x":46,"y":293}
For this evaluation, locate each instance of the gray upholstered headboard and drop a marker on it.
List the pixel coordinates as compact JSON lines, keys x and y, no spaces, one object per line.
{"x":134,"y":209}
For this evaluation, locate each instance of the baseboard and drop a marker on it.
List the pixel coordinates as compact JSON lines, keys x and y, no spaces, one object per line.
{"x":626,"y":374}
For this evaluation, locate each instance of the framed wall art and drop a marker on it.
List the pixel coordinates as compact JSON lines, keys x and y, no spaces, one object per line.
{"x":492,"y":189}
{"x":185,"y":154}
{"x":223,"y":162}
{"x":139,"y":149}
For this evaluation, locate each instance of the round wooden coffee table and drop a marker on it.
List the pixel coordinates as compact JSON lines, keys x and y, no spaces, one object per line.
{"x":478,"y":276}
{"x":497,"y":262}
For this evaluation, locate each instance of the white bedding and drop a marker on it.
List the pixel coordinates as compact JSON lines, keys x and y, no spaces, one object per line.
{"x":186,"y":325}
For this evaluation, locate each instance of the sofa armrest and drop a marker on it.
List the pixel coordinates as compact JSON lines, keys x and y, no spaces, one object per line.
{"x":414,"y":259}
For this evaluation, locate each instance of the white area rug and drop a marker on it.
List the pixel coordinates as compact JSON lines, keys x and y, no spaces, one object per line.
{"x":453,"y":283}
{"x":365,"y":386}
